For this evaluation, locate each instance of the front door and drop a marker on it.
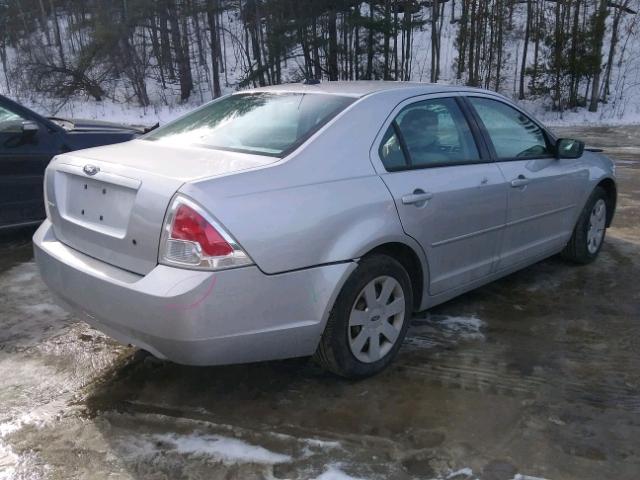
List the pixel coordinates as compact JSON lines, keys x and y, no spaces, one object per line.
{"x":450,"y":196}
{"x":543,"y":190}
{"x":25,"y":150}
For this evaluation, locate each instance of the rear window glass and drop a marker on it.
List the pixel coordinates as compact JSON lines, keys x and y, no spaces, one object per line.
{"x":260,"y":123}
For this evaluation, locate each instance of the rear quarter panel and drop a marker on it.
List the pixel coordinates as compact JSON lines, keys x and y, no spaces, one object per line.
{"x":324,"y":203}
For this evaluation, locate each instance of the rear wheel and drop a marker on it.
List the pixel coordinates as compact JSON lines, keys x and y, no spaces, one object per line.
{"x":589,"y":232}
{"x":369,"y":319}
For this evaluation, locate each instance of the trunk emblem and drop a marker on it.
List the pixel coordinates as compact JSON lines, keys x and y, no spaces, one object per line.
{"x":90,"y":170}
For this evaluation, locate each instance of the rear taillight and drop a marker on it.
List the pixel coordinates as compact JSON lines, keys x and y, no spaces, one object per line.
{"x":191,"y":238}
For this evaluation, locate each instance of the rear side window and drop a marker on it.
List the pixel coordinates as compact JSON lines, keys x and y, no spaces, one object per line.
{"x":427,"y":134}
{"x":513,"y":134}
{"x":260,"y":123}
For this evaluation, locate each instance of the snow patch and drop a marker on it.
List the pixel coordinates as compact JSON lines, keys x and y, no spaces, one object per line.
{"x":463,"y":327}
{"x":22,"y":274}
{"x":30,"y":313}
{"x":467,"y":474}
{"x":43,"y":308}
{"x":334,"y":473}
{"x":443,"y":330}
{"x":314,"y":442}
{"x":463,"y":471}
{"x":9,"y":460}
{"x":228,"y":450}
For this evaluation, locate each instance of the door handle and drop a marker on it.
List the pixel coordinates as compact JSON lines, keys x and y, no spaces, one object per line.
{"x":418,"y":197}
{"x":521,"y":181}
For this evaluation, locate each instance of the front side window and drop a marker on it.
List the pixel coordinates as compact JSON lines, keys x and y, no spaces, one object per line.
{"x":513,"y":134}
{"x":428,"y":133}
{"x":10,"y":122}
{"x":260,"y":123}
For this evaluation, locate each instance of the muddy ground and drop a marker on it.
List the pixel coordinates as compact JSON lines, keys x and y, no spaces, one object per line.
{"x":533,"y":376}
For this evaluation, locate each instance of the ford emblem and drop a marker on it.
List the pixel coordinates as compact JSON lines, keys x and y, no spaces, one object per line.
{"x":90,"y":170}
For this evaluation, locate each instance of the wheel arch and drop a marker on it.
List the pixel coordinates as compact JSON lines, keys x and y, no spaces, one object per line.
{"x":609,"y":186}
{"x":413,"y":263}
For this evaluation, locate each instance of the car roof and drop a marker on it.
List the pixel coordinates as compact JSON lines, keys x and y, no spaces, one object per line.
{"x":360,"y":88}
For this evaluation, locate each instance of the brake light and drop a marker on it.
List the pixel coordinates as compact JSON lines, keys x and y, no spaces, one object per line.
{"x":190,"y":225}
{"x":192,"y":238}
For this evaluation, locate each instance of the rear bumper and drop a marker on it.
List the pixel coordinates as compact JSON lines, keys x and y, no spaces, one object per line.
{"x":194,"y":317}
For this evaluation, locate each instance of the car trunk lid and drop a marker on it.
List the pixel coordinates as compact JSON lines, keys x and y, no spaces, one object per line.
{"x":110,"y":202}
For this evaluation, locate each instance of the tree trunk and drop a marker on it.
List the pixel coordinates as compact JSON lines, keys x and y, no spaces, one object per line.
{"x":598,"y":40}
{"x":215,"y":45}
{"x":612,"y":50}
{"x":369,"y":74}
{"x":462,"y":40}
{"x":332,"y":60}
{"x":165,"y":43}
{"x":435,"y":42}
{"x":184,"y":66}
{"x":525,"y":48}
{"x":387,"y":26}
{"x":56,"y":30}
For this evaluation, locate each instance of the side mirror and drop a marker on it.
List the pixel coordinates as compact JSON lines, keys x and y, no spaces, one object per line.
{"x":29,"y":128}
{"x":569,"y":148}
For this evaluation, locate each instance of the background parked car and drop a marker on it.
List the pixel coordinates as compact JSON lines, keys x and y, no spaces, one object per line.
{"x":28,"y":141}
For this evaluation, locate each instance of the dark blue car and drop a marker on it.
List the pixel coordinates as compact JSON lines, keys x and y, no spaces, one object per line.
{"x":28,"y":142}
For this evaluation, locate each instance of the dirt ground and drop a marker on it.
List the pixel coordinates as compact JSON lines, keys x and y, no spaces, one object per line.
{"x":533,"y":376}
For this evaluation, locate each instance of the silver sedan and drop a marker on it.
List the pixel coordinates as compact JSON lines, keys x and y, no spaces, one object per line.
{"x":313,"y":219}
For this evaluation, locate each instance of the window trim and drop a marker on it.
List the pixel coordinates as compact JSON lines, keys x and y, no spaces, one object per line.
{"x":549,"y":139}
{"x":484,"y":153}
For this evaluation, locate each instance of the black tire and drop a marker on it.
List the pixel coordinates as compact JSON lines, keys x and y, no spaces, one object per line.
{"x":334,"y":353}
{"x":577,"y":250}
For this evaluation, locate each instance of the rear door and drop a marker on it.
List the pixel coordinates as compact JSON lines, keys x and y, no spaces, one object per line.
{"x":23,"y":159}
{"x":449,"y":194}
{"x":543,"y":191}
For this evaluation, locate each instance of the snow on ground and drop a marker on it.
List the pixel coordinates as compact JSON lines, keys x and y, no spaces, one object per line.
{"x":28,"y":318}
{"x":467,"y":328}
{"x":467,"y":474}
{"x":623,"y":106}
{"x":112,"y":111}
{"x":335,"y":473}
{"x":35,"y":334}
{"x":109,"y":110}
{"x":228,"y":450}
{"x":433,"y":331}
{"x":617,"y":112}
{"x":39,"y":416}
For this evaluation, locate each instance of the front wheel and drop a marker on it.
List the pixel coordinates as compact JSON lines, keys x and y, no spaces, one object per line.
{"x":369,"y":319}
{"x":589,"y":232}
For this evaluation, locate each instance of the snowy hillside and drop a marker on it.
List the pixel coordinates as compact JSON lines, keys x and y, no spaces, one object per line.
{"x":238,"y":58}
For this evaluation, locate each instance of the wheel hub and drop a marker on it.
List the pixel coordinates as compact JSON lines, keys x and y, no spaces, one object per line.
{"x":376,"y":319}
{"x":597,"y":225}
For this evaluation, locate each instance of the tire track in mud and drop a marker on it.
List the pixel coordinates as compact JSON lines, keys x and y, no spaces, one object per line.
{"x":483,"y":375}
{"x":461,"y":353}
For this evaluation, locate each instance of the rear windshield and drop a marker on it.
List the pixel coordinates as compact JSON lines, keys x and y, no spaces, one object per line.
{"x":260,"y":123}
